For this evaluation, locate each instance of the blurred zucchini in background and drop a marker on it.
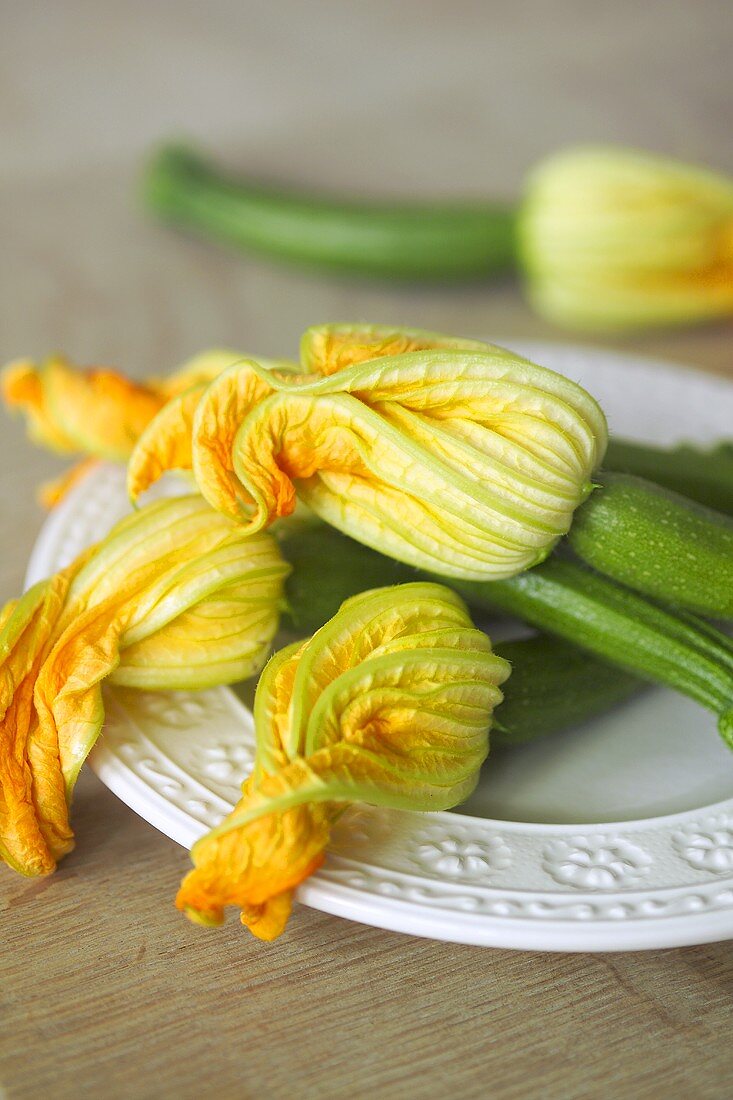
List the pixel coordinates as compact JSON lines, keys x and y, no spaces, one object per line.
{"x":606,"y":238}
{"x":398,"y":240}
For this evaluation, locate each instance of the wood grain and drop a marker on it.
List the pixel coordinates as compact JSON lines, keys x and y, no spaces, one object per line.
{"x":104,"y":988}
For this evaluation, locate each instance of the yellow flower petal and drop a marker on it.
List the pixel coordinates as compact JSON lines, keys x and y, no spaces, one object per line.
{"x":389,"y":703}
{"x":187,"y":433}
{"x":165,"y":444}
{"x":613,"y":238}
{"x":325,"y":349}
{"x":174,"y":597}
{"x":99,"y":410}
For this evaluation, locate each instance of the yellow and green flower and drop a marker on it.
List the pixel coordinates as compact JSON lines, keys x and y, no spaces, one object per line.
{"x":389,"y":703}
{"x":176,"y":597}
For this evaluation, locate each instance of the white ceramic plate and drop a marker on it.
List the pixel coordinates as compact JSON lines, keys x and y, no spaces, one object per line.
{"x":617,"y":836}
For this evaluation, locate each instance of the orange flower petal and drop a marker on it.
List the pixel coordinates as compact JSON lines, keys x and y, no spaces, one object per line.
{"x":25,"y":640}
{"x":100,"y":410}
{"x":23,"y":391}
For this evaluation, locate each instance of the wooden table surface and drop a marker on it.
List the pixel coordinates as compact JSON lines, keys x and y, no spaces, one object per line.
{"x":104,"y":988}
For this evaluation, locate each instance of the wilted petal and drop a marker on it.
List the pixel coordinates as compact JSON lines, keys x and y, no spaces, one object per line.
{"x":23,"y":391}
{"x":26,"y":636}
{"x":229,"y":399}
{"x":189,"y":432}
{"x":101,"y":413}
{"x":389,"y":703}
{"x":99,"y":410}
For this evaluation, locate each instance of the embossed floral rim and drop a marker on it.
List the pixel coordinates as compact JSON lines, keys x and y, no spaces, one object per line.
{"x":659,"y":882}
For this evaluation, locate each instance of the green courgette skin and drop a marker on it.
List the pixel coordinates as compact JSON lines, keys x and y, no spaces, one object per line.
{"x":400,"y":241}
{"x":659,"y":543}
{"x":704,"y":476}
{"x":620,"y":626}
{"x":553,"y":686}
{"x":328,"y":568}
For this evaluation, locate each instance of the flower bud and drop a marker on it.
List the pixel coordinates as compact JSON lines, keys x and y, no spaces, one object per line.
{"x":612,"y":239}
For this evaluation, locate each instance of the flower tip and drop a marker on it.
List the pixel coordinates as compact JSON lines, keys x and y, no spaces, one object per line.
{"x":268,"y":921}
{"x":725,"y":727}
{"x":207,"y":918}
{"x":16,"y":379}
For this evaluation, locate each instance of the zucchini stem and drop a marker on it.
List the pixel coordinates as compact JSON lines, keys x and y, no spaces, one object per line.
{"x":435,"y":241}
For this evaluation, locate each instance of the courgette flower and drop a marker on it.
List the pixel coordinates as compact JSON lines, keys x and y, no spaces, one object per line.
{"x":176,"y":597}
{"x":389,"y":703}
{"x":96,"y":412}
{"x":467,"y":462}
{"x":612,"y":238}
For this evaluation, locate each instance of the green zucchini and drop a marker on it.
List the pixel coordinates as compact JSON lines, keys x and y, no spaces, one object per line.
{"x":554,"y":685}
{"x":328,"y":567}
{"x":443,"y":241}
{"x":659,"y":543}
{"x":620,"y":626}
{"x":704,"y":476}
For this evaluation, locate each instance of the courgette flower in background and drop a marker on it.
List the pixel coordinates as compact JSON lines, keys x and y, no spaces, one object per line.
{"x":389,"y":703}
{"x":605,"y":237}
{"x":96,"y":412}
{"x":176,"y":597}
{"x":465,"y":460}
{"x":614,"y":238}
